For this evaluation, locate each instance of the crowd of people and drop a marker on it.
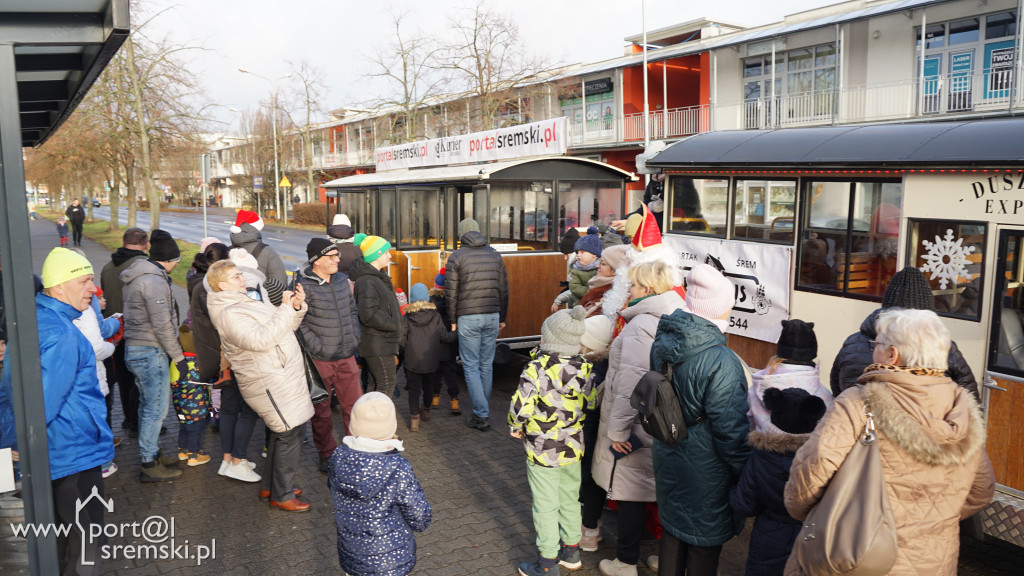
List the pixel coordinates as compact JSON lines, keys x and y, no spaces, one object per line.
{"x":256,"y":345}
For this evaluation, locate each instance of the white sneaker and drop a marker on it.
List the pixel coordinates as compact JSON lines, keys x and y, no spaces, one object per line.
{"x":241,"y":472}
{"x":109,"y":470}
{"x":252,"y":465}
{"x":652,"y":562}
{"x":616,"y":568}
{"x":223,"y":467}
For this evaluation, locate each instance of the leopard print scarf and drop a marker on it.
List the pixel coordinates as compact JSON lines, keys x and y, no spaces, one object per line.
{"x":906,"y":370}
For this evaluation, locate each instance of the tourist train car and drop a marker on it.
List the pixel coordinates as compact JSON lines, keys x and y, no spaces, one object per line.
{"x":812,"y":223}
{"x":523,"y":205}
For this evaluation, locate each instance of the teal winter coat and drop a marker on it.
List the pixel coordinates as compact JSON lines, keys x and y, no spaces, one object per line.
{"x":695,"y":475}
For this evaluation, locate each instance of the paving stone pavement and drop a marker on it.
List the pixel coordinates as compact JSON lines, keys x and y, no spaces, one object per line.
{"x":475,"y":482}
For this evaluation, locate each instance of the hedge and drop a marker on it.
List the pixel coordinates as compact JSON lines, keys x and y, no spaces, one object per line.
{"x":144,"y":205}
{"x":314,"y":214}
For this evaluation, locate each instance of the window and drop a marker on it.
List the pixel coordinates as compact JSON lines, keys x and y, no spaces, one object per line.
{"x":354,"y":205}
{"x":520,"y":214}
{"x":1006,"y":351}
{"x":586,"y":203}
{"x":1002,"y":25}
{"x":419,"y":220}
{"x":850,"y":236}
{"x":386,"y":212}
{"x":950,"y":255}
{"x":699,"y":205}
{"x":764,"y":210}
{"x":339,"y":142}
{"x":800,"y":86}
{"x":964,"y":31}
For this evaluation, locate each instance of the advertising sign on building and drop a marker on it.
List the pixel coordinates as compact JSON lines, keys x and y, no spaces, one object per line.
{"x":760,"y":276}
{"x":534,"y":139}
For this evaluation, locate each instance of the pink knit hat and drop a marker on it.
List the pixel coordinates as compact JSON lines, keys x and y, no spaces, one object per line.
{"x":205,"y":243}
{"x":708,"y":293}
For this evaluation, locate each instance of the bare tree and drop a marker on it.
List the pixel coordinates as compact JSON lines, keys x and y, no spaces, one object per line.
{"x":305,"y":99}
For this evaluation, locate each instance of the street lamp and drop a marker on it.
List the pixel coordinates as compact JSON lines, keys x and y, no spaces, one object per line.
{"x":273,"y":122}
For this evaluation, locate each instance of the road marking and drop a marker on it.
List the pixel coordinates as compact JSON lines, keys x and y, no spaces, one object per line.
{"x":275,"y":239}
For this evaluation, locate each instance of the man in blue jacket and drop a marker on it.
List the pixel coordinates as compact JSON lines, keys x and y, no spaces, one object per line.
{"x":77,"y":434}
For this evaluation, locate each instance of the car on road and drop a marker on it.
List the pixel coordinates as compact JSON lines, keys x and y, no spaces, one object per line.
{"x":96,"y":202}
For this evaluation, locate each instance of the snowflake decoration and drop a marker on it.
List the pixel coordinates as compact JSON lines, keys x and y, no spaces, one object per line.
{"x":946,"y":258}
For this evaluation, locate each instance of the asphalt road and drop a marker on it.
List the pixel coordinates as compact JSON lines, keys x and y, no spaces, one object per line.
{"x":288,"y":242}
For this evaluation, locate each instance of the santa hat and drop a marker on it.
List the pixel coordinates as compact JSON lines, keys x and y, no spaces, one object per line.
{"x":247,"y":217}
{"x":648,"y":234}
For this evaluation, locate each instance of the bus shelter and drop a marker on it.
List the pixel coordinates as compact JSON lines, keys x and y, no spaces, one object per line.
{"x":51,"y":52}
{"x":524,"y":207}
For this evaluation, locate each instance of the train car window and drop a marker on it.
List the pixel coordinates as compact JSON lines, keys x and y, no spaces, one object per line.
{"x":420,"y":226}
{"x":699,"y":205}
{"x":386,"y":213}
{"x":764,"y":210}
{"x":520,"y":214}
{"x":1006,"y":348}
{"x":850,"y":235}
{"x":352,"y":203}
{"x":586,"y":203}
{"x":951,"y":256}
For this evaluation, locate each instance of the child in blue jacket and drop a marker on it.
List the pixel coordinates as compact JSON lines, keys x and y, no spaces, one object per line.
{"x":62,"y":230}
{"x":378,"y":503}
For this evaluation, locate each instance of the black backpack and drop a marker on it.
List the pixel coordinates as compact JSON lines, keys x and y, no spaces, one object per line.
{"x":655,"y":400}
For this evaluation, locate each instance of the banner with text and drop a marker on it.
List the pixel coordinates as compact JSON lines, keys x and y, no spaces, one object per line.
{"x":760,"y":273}
{"x":535,"y":139}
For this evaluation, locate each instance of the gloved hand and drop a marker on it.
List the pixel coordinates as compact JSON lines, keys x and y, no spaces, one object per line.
{"x":182,"y":366}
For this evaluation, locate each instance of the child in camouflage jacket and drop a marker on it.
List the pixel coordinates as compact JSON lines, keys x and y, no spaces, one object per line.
{"x":547,"y":413}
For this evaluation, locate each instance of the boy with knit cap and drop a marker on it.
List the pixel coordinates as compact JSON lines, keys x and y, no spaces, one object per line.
{"x":426,"y":332}
{"x":73,"y":402}
{"x":547,"y":413}
{"x":378,"y":502}
{"x":380,"y":319}
{"x":588,"y":252}
{"x":448,"y":370}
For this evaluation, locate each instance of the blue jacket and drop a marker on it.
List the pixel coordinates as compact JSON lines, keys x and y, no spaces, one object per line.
{"x":759,"y":493}
{"x":378,"y":503}
{"x":76,"y":428}
{"x":694,"y":476}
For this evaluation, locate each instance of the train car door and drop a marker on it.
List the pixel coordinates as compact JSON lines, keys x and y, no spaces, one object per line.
{"x":1003,"y":393}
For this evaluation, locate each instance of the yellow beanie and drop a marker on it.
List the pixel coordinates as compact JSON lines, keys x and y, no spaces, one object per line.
{"x":633,"y":224}
{"x":62,"y":265}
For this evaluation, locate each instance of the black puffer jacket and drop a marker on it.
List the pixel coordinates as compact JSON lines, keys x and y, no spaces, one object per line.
{"x":438,"y":299}
{"x":330,"y":330}
{"x":855,"y":355}
{"x":204,"y":335}
{"x":759,"y":493}
{"x":475,"y":281}
{"x":347,"y":251}
{"x":425,"y":332}
{"x":379,"y":316}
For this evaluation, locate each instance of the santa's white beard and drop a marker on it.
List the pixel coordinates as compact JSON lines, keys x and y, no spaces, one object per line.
{"x":615,"y":299}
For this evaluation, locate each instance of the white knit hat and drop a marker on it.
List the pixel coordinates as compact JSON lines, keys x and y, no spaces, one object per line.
{"x":341,"y":219}
{"x":373,"y":416}
{"x":597,"y":333}
{"x":708,"y":293}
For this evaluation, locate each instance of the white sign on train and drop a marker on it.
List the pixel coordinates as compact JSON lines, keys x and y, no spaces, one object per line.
{"x":527,"y":140}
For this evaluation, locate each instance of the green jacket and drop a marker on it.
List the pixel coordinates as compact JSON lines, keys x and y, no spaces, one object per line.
{"x":695,"y":475}
{"x":548,"y":408}
{"x":579,"y":283}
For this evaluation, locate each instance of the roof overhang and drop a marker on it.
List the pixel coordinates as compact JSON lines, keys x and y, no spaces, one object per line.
{"x":997,"y":142}
{"x":468,"y":173}
{"x":60,"y":48}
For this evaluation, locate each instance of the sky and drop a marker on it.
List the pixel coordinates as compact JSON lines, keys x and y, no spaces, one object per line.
{"x":339,"y":36}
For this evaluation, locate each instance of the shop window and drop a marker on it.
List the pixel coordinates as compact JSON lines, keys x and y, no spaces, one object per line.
{"x":951,"y":256}
{"x":1002,"y":25}
{"x":699,"y":205}
{"x":964,"y":31}
{"x":419,"y":220}
{"x":764,"y":210}
{"x":586,"y":203}
{"x":934,"y":36}
{"x":850,"y":237}
{"x":520,"y":213}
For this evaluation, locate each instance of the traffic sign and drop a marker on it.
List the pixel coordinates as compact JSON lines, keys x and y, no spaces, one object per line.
{"x":285,"y":183}
{"x":257,"y":182}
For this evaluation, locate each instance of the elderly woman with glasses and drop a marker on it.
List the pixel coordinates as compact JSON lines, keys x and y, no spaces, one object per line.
{"x":259,"y":342}
{"x":931,"y":439}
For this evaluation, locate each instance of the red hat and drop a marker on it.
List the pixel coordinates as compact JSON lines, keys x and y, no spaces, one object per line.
{"x":247,"y":217}
{"x":648,"y":234}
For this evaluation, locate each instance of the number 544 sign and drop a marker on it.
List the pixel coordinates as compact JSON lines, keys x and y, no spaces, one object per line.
{"x":760,"y":277}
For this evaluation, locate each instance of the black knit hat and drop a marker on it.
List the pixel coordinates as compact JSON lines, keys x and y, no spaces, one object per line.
{"x":162,"y":247}
{"x":568,"y":243}
{"x":794,"y":410}
{"x":797,"y":341}
{"x":318,"y":248}
{"x":909,"y":289}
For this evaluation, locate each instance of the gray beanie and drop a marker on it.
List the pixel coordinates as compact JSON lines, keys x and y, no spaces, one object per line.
{"x":468,"y":225}
{"x":562,"y":331}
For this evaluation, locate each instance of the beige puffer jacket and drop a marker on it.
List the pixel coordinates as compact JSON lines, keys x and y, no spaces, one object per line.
{"x":259,"y":342}
{"x":932,"y":441}
{"x":628,"y":361}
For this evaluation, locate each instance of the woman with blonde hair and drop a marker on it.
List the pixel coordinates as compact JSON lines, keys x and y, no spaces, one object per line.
{"x":623,"y":464}
{"x":931,"y":438}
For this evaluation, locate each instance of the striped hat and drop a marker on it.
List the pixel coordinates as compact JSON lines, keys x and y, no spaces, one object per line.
{"x":374,"y":247}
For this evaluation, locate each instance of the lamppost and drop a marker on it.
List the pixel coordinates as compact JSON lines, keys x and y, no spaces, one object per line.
{"x":273,"y":122}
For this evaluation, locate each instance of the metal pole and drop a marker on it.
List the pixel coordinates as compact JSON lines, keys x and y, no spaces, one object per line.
{"x":204,"y":171}
{"x":277,"y":176}
{"x":23,"y":349}
{"x":647,"y":136}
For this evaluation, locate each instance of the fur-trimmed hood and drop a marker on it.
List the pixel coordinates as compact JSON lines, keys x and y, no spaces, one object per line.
{"x":595,"y":357}
{"x":777,"y":441}
{"x":421,"y":305}
{"x":930,"y":417}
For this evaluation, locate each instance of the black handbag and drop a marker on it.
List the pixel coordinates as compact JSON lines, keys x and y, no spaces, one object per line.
{"x":317,"y":390}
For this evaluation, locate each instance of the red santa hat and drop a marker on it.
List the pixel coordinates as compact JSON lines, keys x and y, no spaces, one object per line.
{"x":647,"y":234}
{"x":247,"y":217}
